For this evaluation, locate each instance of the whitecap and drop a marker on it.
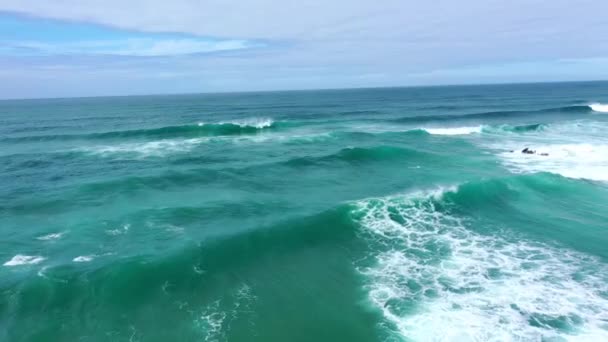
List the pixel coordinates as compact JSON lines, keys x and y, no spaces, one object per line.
{"x":211,"y":321}
{"x":53,"y":236}
{"x":255,"y":122}
{"x":217,"y":317}
{"x":453,"y":130}
{"x":119,"y":231}
{"x":252,"y":122}
{"x":574,"y":149}
{"x":433,"y":279}
{"x":83,"y":258}
{"x":599,"y":107}
{"x":21,"y":259}
{"x":578,"y":161}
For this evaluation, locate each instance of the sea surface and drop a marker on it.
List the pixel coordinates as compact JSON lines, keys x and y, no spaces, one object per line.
{"x":397,"y":214}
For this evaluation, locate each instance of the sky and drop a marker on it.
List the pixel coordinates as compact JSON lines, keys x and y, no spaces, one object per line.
{"x":66,"y":48}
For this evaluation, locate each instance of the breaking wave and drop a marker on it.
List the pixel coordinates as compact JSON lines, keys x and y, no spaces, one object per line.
{"x":598,"y":107}
{"x":454,"y":130}
{"x":434,"y":278}
{"x":576,"y":160}
{"x":466,"y":130}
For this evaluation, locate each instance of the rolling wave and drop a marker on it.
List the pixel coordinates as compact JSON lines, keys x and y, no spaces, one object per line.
{"x":495,"y":114}
{"x":109,"y":190}
{"x":170,"y":278}
{"x":249,"y":126}
{"x":185,"y":131}
{"x":526,"y":128}
{"x":342,"y":221}
{"x":425,"y":268}
{"x":538,"y":127}
{"x":252,"y":126}
{"x":466,"y":130}
{"x":239,"y":127}
{"x":360,"y":155}
{"x":570,"y":109}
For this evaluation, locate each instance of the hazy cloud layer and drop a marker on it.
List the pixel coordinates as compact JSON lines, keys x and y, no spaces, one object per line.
{"x":318,"y":44}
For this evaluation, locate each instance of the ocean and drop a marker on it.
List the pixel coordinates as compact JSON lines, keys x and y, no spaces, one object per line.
{"x":395,"y":214}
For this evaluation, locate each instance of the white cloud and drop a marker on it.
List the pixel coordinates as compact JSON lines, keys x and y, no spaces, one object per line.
{"x":321,"y":19}
{"x":357,"y":31}
{"x":125,"y":47}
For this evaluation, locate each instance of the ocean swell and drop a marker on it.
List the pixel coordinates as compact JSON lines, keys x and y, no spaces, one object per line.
{"x":237,"y":127}
{"x":467,"y":130}
{"x":497,"y":114}
{"x":361,"y":155}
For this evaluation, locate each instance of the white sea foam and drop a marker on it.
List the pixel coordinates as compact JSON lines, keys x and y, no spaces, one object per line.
{"x":119,"y":231}
{"x":83,"y":258}
{"x":433,"y":279}
{"x":293,"y":138}
{"x":598,"y":107}
{"x":21,"y":259}
{"x":583,"y":160}
{"x":171,"y":228}
{"x":454,"y":130}
{"x":146,"y":149}
{"x":247,"y":122}
{"x":216,"y":318}
{"x":211,"y":321}
{"x":253,"y":122}
{"x":574,"y":149}
{"x":53,"y":236}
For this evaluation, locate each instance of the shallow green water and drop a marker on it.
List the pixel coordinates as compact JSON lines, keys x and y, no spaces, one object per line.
{"x":357,"y":215}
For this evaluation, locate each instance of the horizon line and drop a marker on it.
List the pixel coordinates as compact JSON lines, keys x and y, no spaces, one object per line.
{"x":299,"y":90}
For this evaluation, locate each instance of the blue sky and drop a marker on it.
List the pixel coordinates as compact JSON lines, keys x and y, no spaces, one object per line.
{"x":25,"y":36}
{"x":91,"y":48}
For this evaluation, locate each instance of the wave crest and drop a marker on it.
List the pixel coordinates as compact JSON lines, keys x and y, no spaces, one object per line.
{"x":538,"y":127}
{"x":598,"y":107}
{"x":495,"y":114}
{"x":467,"y":130}
{"x":258,"y":123}
{"x":245,"y":126}
{"x":454,"y":130}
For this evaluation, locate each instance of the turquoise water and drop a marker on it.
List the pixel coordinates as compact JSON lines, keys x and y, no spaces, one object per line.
{"x":404,"y":214}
